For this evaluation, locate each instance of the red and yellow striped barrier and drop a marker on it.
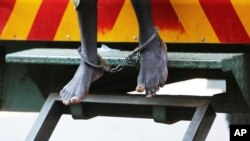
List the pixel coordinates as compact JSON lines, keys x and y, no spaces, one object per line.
{"x":186,"y":21}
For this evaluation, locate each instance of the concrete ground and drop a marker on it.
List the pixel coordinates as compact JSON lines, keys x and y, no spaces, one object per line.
{"x":14,"y":126}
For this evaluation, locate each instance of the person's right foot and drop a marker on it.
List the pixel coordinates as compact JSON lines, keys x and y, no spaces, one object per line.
{"x":78,"y":88}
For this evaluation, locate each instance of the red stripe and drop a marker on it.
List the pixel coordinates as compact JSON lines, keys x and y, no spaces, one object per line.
{"x":108,"y":12}
{"x":48,"y":19}
{"x":6,"y":7}
{"x":165,"y":16}
{"x":225,"y":21}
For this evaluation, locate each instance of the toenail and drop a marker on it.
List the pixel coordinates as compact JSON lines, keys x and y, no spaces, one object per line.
{"x":140,"y":88}
{"x":75,"y":100}
{"x":148,"y":96}
{"x":153,"y":94}
{"x":157,"y":89}
{"x":66,"y":102}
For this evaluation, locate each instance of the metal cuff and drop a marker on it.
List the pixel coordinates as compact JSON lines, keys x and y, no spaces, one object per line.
{"x":102,"y":64}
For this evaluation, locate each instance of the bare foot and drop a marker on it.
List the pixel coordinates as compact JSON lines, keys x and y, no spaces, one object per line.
{"x":153,"y":71}
{"x":78,"y":88}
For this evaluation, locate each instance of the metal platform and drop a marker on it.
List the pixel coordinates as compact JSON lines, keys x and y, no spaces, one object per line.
{"x":164,"y":109}
{"x":230,"y":66}
{"x":71,"y":57}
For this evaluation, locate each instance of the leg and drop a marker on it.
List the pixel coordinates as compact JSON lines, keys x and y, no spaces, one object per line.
{"x":153,"y":72}
{"x":78,"y":88}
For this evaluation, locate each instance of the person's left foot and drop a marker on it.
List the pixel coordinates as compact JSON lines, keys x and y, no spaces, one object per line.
{"x":153,"y":67}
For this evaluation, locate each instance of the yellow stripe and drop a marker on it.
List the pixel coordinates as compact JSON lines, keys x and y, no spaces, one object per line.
{"x":125,"y":28}
{"x":21,"y":19}
{"x":196,"y":25}
{"x":68,"y":28}
{"x":242,"y":9}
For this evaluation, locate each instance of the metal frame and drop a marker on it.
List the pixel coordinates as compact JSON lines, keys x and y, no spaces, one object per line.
{"x":168,"y":109}
{"x":2,"y":69}
{"x":200,"y":112}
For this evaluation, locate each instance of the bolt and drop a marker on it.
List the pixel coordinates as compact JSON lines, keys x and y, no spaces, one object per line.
{"x":203,"y":39}
{"x":135,"y":37}
{"x":68,"y":36}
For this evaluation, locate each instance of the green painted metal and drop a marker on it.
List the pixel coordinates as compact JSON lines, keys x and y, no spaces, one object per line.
{"x":159,"y":114}
{"x":78,"y":112}
{"x":233,"y":67}
{"x":235,"y":64}
{"x":126,"y":106}
{"x":71,"y":57}
{"x":239,"y":67}
{"x":2,"y":65}
{"x":20,"y":93}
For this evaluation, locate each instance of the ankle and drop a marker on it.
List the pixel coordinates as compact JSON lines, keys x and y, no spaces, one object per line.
{"x":91,"y":57}
{"x":146,"y":34}
{"x":94,"y":60}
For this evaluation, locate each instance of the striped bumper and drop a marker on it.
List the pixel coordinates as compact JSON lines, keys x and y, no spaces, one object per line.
{"x":185,"y":21}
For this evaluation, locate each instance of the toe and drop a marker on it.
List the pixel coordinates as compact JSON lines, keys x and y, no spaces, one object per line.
{"x":162,"y":83}
{"x":69,"y":95}
{"x":148,"y":90}
{"x":75,"y":100}
{"x":153,"y":94}
{"x":66,"y":102}
{"x":157,"y":89}
{"x":157,"y":85}
{"x":148,"y":95}
{"x":140,"y":88}
{"x":140,"y":83}
{"x":153,"y":91}
{"x":62,"y":93}
{"x":153,"y":88}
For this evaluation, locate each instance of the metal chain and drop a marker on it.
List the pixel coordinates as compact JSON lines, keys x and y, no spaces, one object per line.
{"x":135,"y":55}
{"x":101,"y":66}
